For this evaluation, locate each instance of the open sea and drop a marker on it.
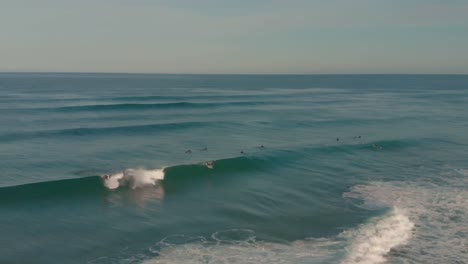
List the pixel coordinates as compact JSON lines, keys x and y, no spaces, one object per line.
{"x":141,"y":168}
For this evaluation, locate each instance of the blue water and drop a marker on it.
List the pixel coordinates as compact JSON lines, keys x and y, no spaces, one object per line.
{"x":281,"y":168}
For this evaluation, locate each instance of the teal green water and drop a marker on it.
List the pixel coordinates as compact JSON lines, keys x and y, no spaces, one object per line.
{"x":353,"y":168}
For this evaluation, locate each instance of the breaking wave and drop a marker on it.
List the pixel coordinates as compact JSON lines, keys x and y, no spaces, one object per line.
{"x":374,"y":240}
{"x":175,"y":177}
{"x":135,"y":178}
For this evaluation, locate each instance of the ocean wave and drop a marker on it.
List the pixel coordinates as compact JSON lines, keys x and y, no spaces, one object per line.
{"x":141,"y":106}
{"x":51,"y":190}
{"x":171,"y":179}
{"x":216,"y":97}
{"x":104,"y":131}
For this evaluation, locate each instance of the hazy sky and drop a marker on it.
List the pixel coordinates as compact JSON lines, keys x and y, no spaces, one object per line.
{"x":236,"y":36}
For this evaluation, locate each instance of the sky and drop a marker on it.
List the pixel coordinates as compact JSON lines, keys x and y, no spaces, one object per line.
{"x":236,"y":36}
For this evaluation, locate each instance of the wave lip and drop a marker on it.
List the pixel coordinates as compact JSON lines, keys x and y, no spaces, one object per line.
{"x":375,"y":239}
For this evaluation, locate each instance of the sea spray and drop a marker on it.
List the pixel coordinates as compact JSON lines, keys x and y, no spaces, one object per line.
{"x":135,"y":178}
{"x":375,"y":239}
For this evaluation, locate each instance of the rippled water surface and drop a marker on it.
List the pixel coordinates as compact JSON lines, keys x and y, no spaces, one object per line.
{"x":115,"y":168}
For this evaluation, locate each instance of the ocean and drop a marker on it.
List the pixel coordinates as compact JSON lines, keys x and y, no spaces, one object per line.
{"x":143,"y":168}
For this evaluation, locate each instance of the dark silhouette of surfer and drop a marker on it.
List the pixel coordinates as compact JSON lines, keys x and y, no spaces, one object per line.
{"x":188,"y":152}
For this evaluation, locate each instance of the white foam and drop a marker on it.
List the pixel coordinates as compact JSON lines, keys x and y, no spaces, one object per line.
{"x":112,"y":182}
{"x":135,"y":178}
{"x":368,"y":244}
{"x":463,"y":172}
{"x":439,"y":213}
{"x":242,"y":249}
{"x":374,"y":240}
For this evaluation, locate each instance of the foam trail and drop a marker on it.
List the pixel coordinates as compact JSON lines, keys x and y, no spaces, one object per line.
{"x":374,"y":240}
{"x":369,"y":244}
{"x":135,"y":178}
{"x":240,"y":246}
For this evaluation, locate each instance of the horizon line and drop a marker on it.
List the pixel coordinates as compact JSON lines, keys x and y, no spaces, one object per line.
{"x":267,"y":74}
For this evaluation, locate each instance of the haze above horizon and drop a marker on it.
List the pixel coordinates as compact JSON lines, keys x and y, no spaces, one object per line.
{"x":243,"y":37}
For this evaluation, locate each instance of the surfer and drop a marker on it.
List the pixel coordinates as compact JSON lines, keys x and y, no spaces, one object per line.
{"x":188,"y":152}
{"x":209,"y":164}
{"x":242,"y":152}
{"x":337,"y":139}
{"x":204,"y":149}
{"x":376,"y":146}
